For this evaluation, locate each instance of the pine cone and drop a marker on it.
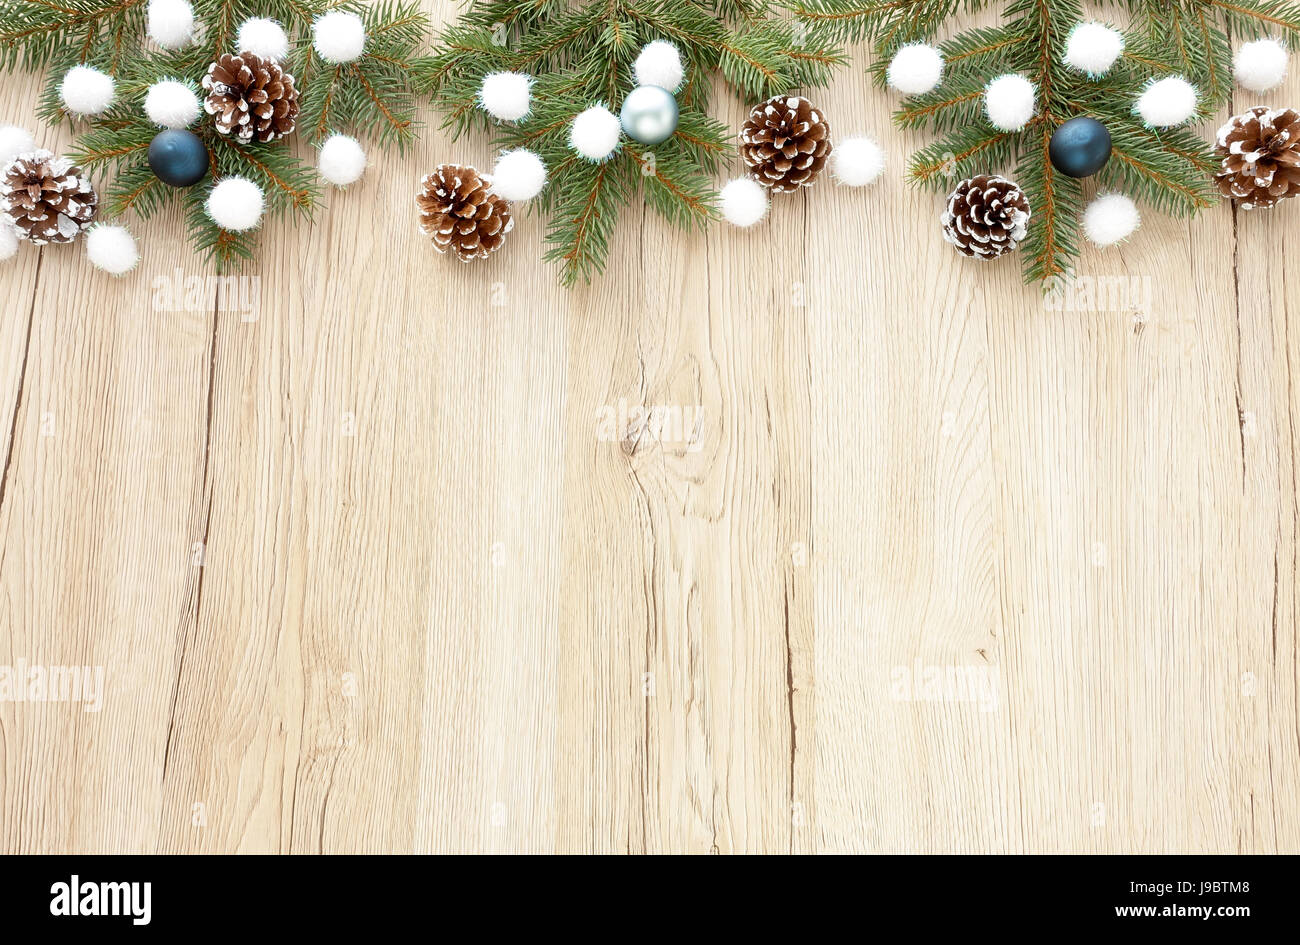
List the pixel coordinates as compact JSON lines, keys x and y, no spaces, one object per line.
{"x":47,"y":198}
{"x":785,"y":141}
{"x":986,"y":216}
{"x":1260,"y":153}
{"x":459,"y":212}
{"x":251,"y":97}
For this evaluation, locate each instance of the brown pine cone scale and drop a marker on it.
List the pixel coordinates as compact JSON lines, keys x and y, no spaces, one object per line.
{"x":785,"y":143}
{"x":986,"y":216}
{"x":459,"y":212}
{"x":250,"y":97}
{"x":47,"y":199}
{"x":1259,"y":154}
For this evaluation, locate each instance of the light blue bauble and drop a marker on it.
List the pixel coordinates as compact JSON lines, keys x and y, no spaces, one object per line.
{"x":649,"y":114}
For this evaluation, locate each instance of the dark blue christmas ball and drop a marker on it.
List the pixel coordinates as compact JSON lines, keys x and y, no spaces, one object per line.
{"x":1080,"y":147}
{"x":178,"y":157}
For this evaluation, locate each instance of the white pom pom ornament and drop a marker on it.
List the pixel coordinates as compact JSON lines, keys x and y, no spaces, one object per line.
{"x":8,"y":242}
{"x":112,"y":249}
{"x":519,"y":175}
{"x":506,"y":95}
{"x":339,"y":37}
{"x":1093,"y":48}
{"x":171,"y":104}
{"x":235,"y":204}
{"x":857,"y":162}
{"x":87,"y":91}
{"x":915,"y":69}
{"x":595,"y":133}
{"x":660,"y":64}
{"x":1110,"y":218}
{"x":262,"y":37}
{"x":13,"y":142}
{"x":1167,"y":102}
{"x":1009,"y":102}
{"x":744,"y":201}
{"x":342,"y":160}
{"x":1260,"y":66}
{"x":170,"y":23}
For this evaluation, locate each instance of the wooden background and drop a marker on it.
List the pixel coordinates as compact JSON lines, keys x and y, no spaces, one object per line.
{"x":365,"y":575}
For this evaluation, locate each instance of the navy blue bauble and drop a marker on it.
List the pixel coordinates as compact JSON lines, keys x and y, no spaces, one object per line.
{"x":1080,"y":147}
{"x":178,"y":157}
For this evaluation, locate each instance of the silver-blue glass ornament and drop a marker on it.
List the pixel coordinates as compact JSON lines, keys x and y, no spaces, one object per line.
{"x":649,"y":114}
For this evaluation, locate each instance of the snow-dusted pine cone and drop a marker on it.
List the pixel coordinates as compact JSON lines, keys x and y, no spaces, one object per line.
{"x":250,"y":97}
{"x":47,"y":198}
{"x":459,"y":212}
{"x":986,"y":216}
{"x":785,"y":142}
{"x":1260,"y":157}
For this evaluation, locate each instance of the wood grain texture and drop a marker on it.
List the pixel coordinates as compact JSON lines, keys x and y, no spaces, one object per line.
{"x":367,"y":570}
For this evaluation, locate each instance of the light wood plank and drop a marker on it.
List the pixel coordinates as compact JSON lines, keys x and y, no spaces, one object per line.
{"x":368,"y":571}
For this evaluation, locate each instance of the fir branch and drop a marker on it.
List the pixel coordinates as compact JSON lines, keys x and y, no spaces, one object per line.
{"x":953,"y":103}
{"x":1052,"y":244}
{"x":960,"y":154}
{"x":226,"y":249}
{"x":704,"y":140}
{"x":585,"y":213}
{"x":1169,"y":168}
{"x":137,"y":190}
{"x":675,"y":186}
{"x":1262,"y":14}
{"x":581,"y":54}
{"x":374,"y":96}
{"x":850,"y":22}
{"x":34,"y":32}
{"x":94,"y":149}
{"x":285,"y":180}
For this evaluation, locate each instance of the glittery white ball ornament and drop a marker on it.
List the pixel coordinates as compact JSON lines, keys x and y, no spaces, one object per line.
{"x":339,"y":36}
{"x":342,"y":160}
{"x":519,"y":175}
{"x":262,"y":37}
{"x":1093,"y":48}
{"x":86,"y":90}
{"x":171,"y":104}
{"x":744,"y":201}
{"x":170,"y":23}
{"x":13,"y":142}
{"x":915,"y":69}
{"x":506,"y":96}
{"x":235,"y":204}
{"x":112,"y":249}
{"x":1009,"y":102}
{"x":595,"y":133}
{"x":857,"y":162}
{"x":8,"y":242}
{"x":1260,"y":66}
{"x":1110,"y":218}
{"x":660,"y":64}
{"x":1167,"y":102}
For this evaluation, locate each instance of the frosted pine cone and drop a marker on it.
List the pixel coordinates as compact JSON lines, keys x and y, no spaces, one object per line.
{"x":459,"y":212}
{"x":1260,"y":157}
{"x":986,"y":216}
{"x":250,"y":97}
{"x":785,"y":142}
{"x":47,"y":199}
